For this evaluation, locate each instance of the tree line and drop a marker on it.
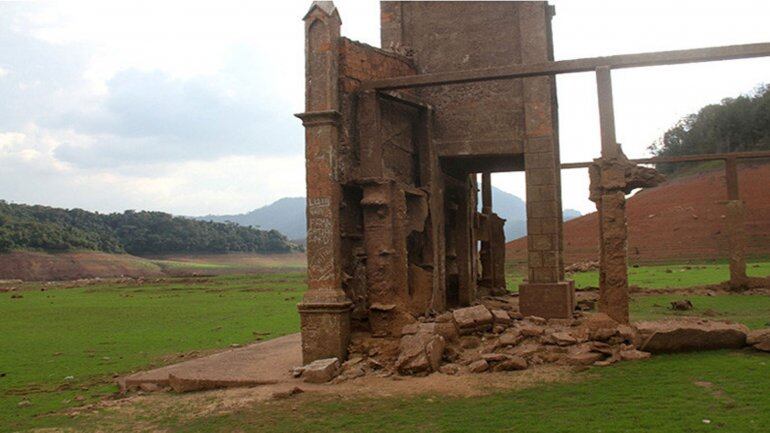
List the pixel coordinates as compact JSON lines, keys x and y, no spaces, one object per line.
{"x":734,"y":125}
{"x":139,"y":233}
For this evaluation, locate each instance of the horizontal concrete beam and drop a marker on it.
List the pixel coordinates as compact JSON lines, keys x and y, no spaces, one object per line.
{"x":683,"y":158}
{"x":730,"y":52}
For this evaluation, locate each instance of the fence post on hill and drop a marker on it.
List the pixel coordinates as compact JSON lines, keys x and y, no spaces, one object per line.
{"x":736,"y":226}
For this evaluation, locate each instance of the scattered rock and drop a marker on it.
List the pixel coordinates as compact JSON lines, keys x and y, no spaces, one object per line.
{"x":536,"y":320}
{"x":470,"y":342}
{"x":149,"y":387}
{"x":690,"y":334}
{"x":585,"y":358}
{"x":493,"y":357}
{"x":473,"y":319}
{"x":531,"y":330}
{"x":450,"y":369}
{"x":501,"y":317}
{"x":322,"y":370}
{"x":633,"y":355}
{"x":420,"y":353}
{"x":587,"y":266}
{"x":562,"y":338}
{"x":280,"y":395}
{"x":759,"y":339}
{"x":682,"y":305}
{"x":24,"y":403}
{"x":510,"y":337}
{"x":512,"y":363}
{"x":479,"y":366}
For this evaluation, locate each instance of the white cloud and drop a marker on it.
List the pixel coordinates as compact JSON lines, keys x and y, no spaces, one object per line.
{"x":69,"y":137}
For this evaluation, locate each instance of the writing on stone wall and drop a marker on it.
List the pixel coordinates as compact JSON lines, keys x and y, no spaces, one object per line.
{"x":319,"y":239}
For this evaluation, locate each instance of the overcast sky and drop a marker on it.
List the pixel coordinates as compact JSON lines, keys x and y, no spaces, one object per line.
{"x":186,"y":107}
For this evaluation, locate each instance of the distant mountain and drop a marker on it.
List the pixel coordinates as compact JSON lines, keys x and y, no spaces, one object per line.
{"x":514,"y":210}
{"x":571,"y":214}
{"x":286,"y":215}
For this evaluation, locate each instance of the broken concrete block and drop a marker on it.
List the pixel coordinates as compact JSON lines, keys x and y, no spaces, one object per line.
{"x":470,"y":342}
{"x":512,"y":363}
{"x":682,"y":335}
{"x":479,"y":366}
{"x":562,"y":338}
{"x":598,"y":321}
{"x":450,"y":369}
{"x":473,"y":319}
{"x":531,"y":330}
{"x":493,"y":357}
{"x":322,"y":370}
{"x":419,"y":353}
{"x":510,"y":337}
{"x":759,"y":339}
{"x":584,"y":358}
{"x":633,"y":355}
{"x":537,"y":320}
{"x":500,"y":317}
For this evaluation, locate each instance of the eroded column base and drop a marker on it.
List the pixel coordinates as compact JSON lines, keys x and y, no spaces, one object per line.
{"x":547,"y":300}
{"x":325,"y":330}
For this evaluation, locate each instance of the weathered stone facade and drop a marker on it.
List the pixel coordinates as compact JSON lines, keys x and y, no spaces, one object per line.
{"x":394,"y":229}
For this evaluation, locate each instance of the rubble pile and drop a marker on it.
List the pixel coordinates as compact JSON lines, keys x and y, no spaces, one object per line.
{"x":479,"y":339}
{"x":493,"y":336}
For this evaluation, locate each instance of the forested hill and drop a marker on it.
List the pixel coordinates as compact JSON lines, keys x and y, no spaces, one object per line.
{"x":735,"y":125}
{"x":139,"y":233}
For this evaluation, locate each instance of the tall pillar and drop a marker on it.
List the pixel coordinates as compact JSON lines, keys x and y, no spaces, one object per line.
{"x":736,"y":226}
{"x":613,"y":244}
{"x":485,"y":253}
{"x":325,"y":309}
{"x":545,"y":294}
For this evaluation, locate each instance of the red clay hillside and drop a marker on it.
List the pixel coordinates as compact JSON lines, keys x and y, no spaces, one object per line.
{"x":682,"y":218}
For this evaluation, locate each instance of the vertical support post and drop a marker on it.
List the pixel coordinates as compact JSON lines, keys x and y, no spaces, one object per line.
{"x":368,"y":117}
{"x":432,"y":178}
{"x":486,"y":193}
{"x":606,"y":112}
{"x":486,"y":253}
{"x":544,"y":294}
{"x":325,"y":309}
{"x":736,"y":226}
{"x":613,"y":232}
{"x":465,"y":244}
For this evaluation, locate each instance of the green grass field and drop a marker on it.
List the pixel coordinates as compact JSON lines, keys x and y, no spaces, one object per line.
{"x":62,"y":343}
{"x":659,"y":276}
{"x":659,"y":395}
{"x":61,"y":348}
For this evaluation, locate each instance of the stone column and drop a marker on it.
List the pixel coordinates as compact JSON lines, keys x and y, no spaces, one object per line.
{"x":612,"y":177}
{"x":544,"y":294}
{"x":486,"y":254}
{"x":736,"y":226}
{"x":325,"y":309}
{"x":613,"y":242}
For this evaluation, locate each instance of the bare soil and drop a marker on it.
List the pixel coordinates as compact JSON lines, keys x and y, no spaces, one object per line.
{"x":682,"y":218}
{"x":34,"y":266}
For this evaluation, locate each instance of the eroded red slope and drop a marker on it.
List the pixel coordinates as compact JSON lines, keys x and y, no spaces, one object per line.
{"x":679,"y":220}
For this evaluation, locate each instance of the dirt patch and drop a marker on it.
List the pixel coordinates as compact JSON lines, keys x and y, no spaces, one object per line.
{"x":34,"y":266}
{"x":190,"y":406}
